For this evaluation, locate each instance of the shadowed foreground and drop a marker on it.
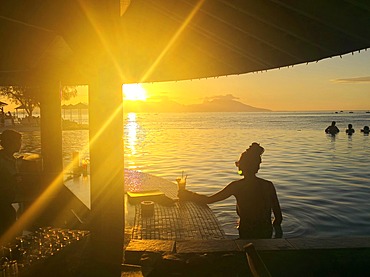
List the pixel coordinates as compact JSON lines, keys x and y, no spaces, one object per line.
{"x":158,"y":246}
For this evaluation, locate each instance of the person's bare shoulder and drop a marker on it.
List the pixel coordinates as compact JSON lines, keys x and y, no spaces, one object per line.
{"x":264,"y":181}
{"x":268,"y":185}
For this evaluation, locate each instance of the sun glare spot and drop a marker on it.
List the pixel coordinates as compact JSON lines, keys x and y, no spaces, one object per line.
{"x":134,"y":92}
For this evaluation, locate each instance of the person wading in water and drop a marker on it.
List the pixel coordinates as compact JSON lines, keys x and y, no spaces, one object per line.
{"x":255,"y":197}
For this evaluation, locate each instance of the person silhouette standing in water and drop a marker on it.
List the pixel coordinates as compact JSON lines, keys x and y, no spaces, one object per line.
{"x":365,"y":130}
{"x":255,"y":198}
{"x":350,"y":130}
{"x":10,"y":141}
{"x":332,"y":129}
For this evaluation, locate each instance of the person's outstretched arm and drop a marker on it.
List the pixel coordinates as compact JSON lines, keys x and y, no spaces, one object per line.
{"x":221,"y":195}
{"x":204,"y":199}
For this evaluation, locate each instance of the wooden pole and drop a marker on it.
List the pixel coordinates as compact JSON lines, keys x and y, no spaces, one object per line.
{"x":107,"y":169}
{"x":51,"y":131}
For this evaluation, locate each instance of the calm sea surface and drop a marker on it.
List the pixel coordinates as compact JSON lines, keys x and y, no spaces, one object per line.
{"x":323,"y":182}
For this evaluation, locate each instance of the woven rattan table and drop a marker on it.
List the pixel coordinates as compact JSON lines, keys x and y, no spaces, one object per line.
{"x":180,"y":221}
{"x":172,"y":220}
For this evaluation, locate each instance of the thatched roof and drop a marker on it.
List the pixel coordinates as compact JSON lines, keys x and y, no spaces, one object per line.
{"x":161,"y":40}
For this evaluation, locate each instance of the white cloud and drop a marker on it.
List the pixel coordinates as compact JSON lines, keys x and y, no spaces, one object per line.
{"x":354,"y":80}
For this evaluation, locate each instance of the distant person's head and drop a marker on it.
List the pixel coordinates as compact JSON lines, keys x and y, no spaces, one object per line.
{"x":11,"y":141}
{"x":366,"y":129}
{"x":350,"y":126}
{"x":333,"y":123}
{"x":250,"y":160}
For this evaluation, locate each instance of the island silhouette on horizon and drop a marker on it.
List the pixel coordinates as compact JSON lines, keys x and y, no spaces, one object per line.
{"x":223,"y":103}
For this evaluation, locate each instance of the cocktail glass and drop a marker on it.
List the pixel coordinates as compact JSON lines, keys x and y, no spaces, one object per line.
{"x":181,"y":181}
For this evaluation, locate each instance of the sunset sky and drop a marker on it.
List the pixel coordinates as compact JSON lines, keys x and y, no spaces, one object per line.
{"x":330,"y":84}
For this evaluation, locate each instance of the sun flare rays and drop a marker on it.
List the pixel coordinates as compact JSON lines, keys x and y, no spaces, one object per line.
{"x":174,"y":38}
{"x":134,"y":92}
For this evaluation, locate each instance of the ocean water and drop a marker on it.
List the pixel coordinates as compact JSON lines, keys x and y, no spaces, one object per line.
{"x":323,"y":182}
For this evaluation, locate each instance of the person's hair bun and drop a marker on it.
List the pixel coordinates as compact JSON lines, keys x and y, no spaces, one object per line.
{"x":255,"y":149}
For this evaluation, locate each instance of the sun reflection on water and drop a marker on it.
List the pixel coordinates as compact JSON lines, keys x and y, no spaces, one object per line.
{"x":131,"y":127}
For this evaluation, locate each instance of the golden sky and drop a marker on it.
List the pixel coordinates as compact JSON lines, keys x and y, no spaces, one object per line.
{"x":340,"y":83}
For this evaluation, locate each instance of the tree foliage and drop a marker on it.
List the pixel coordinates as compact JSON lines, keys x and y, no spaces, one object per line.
{"x":29,"y":97}
{"x":26,"y":97}
{"x":69,"y":92}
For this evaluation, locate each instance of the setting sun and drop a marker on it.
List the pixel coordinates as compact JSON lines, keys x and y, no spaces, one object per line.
{"x":134,"y":92}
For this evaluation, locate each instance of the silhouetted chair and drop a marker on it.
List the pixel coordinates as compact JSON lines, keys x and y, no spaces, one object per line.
{"x":256,"y":265}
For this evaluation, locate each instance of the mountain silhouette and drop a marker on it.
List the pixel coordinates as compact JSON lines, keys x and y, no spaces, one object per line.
{"x":225,"y":103}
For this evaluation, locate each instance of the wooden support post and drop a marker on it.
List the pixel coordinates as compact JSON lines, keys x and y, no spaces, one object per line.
{"x":52,"y":153}
{"x":51,"y":130}
{"x":107,"y":169}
